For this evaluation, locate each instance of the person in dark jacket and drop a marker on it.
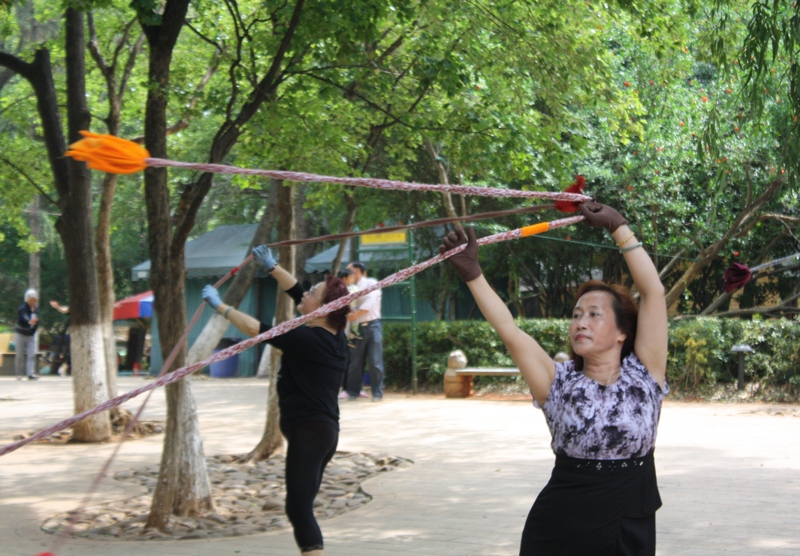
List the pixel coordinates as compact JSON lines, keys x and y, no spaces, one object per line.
{"x":25,"y":336}
{"x":312,"y":368}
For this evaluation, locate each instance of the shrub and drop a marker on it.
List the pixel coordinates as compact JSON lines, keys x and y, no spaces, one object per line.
{"x":699,"y":357}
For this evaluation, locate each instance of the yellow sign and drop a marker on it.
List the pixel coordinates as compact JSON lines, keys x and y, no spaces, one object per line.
{"x":376,"y":239}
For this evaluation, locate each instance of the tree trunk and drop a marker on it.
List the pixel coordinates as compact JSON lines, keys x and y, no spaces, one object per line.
{"x":34,"y":259}
{"x":105,"y":280}
{"x":72,"y":181}
{"x":216,"y":327}
{"x":436,"y":160}
{"x":707,"y":255}
{"x":75,"y":228}
{"x":182,"y":487}
{"x":349,"y":224}
{"x":115,"y":90}
{"x":303,"y":230}
{"x":272,"y":440}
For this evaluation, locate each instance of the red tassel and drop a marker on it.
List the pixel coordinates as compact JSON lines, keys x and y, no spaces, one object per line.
{"x":570,"y":206}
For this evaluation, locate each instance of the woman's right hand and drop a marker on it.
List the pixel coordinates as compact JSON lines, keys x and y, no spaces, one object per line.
{"x":263,"y":256}
{"x":466,"y":262}
{"x":211,"y":296}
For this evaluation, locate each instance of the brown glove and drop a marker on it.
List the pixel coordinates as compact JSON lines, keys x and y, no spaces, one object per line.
{"x":601,"y":216}
{"x":466,"y":262}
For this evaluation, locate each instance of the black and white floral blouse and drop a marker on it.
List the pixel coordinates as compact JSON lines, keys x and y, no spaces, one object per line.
{"x":590,"y":421}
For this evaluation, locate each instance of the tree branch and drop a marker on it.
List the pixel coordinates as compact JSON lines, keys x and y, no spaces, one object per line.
{"x":30,"y":180}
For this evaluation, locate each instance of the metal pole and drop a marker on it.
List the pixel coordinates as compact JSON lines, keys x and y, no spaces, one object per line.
{"x":741,"y":371}
{"x":413,"y":315}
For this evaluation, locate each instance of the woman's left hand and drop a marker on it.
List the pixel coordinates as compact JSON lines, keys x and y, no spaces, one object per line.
{"x":601,"y":216}
{"x":211,"y":296}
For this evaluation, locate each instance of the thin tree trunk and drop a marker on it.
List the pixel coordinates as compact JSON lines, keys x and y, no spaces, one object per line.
{"x":436,"y":160}
{"x":272,"y":440}
{"x":349,"y":224}
{"x":215,"y":328}
{"x":105,"y":280}
{"x":707,"y":255}
{"x":303,"y":230}
{"x":34,"y":259}
{"x":105,"y":271}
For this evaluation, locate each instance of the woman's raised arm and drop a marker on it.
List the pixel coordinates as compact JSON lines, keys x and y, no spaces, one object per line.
{"x":651,"y":332}
{"x":535,"y":365}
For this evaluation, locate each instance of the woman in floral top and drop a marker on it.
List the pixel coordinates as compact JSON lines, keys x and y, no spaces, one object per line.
{"x":602,"y":407}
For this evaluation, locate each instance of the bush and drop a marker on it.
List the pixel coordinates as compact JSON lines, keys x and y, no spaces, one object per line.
{"x":699,"y":358}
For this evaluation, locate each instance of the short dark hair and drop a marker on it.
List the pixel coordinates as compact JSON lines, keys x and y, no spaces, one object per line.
{"x":626,"y":314}
{"x":334,"y":289}
{"x":359,"y":266}
{"x":345,"y":273}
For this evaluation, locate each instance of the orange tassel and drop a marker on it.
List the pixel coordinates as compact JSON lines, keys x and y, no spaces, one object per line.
{"x":107,"y":153}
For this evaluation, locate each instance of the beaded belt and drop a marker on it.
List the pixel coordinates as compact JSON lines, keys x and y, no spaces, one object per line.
{"x":603,"y":466}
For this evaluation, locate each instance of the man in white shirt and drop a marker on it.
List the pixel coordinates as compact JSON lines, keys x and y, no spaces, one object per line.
{"x":369,"y":349}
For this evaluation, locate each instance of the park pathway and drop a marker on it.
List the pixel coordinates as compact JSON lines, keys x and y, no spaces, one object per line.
{"x":729,"y":474}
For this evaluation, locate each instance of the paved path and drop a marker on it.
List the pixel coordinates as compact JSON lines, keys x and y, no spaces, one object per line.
{"x":729,"y":474}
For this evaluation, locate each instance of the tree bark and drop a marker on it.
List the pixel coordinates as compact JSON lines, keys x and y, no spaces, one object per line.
{"x":72,"y":181}
{"x":34,"y":259}
{"x":115,"y":90}
{"x":75,"y":228}
{"x":272,"y":439}
{"x":182,"y":487}
{"x":349,"y":224}
{"x":436,"y":160}
{"x":303,"y":230}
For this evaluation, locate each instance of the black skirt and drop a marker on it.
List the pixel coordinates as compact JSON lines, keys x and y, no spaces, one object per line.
{"x":595,"y":508}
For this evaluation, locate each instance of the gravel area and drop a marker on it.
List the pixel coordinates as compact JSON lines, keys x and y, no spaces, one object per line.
{"x":249,"y":499}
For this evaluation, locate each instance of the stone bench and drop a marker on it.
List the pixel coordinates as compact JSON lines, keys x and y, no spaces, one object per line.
{"x":458,"y":377}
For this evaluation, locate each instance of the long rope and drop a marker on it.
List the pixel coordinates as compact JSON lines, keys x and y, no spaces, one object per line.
{"x":371,"y":182}
{"x":285,"y":327}
{"x":75,"y":515}
{"x":424,"y":224}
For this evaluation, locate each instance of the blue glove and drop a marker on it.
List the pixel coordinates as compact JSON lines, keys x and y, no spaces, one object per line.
{"x":263,"y":257}
{"x":211,"y":296}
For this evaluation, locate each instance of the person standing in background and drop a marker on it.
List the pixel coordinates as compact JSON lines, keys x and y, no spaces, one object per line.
{"x":369,"y":349}
{"x":25,"y":336}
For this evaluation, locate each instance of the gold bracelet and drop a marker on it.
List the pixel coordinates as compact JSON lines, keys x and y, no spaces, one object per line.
{"x":626,"y":240}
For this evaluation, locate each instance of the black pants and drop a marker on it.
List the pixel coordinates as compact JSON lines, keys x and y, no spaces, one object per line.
{"x":310,"y":447}
{"x":595,"y":508}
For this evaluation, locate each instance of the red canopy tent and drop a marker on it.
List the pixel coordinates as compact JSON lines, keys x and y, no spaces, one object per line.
{"x":134,"y":307}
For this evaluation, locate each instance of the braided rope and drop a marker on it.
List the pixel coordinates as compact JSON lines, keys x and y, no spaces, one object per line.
{"x":278,"y":330}
{"x":371,"y":182}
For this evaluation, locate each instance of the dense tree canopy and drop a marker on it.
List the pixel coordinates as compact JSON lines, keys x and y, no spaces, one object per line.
{"x":678,"y":113}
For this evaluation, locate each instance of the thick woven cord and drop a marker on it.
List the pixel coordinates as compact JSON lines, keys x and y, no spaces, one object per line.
{"x":276,"y":331}
{"x":371,"y":182}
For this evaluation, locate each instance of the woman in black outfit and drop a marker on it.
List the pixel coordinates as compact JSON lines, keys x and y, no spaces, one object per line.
{"x":312,"y":367}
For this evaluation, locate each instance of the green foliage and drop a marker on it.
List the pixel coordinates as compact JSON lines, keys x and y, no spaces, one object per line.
{"x":477,"y":339}
{"x":699,"y":359}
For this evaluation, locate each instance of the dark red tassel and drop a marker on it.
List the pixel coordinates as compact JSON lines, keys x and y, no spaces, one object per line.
{"x":735,"y":277}
{"x":570,"y":206}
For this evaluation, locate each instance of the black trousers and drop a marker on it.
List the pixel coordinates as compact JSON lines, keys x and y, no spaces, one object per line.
{"x":310,"y":447}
